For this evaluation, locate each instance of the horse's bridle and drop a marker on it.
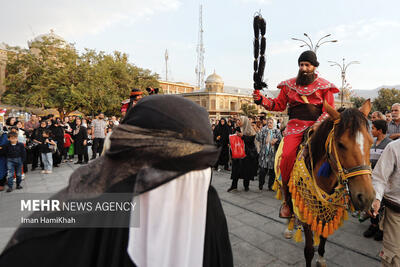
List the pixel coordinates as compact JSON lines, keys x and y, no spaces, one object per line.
{"x":343,"y":173}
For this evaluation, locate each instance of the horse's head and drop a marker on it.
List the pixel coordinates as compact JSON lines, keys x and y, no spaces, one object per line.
{"x":351,"y":145}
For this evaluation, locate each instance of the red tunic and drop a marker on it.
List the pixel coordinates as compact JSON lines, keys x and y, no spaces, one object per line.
{"x":125,"y":105}
{"x":290,"y":93}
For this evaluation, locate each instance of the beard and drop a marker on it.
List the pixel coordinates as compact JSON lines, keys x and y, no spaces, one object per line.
{"x":305,"y":78}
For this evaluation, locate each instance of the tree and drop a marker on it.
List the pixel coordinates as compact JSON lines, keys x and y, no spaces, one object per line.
{"x":357,"y":101}
{"x":53,"y":75}
{"x":249,"y":109}
{"x":386,"y":98}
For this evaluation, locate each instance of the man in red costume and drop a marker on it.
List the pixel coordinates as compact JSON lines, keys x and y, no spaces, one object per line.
{"x":304,"y":96}
{"x":134,"y":97}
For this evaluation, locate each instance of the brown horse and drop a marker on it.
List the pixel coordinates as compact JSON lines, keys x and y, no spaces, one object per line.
{"x":347,"y":143}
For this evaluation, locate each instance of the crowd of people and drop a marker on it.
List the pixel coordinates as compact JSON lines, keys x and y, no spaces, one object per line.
{"x":47,"y":141}
{"x":261,"y":137}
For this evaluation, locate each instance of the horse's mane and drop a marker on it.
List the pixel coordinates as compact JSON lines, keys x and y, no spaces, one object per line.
{"x":351,"y":119}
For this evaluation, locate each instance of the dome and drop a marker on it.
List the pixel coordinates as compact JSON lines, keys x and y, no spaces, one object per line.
{"x":50,"y":36}
{"x":214,"y":78}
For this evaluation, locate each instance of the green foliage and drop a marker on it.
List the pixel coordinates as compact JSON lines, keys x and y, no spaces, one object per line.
{"x":53,"y":75}
{"x":386,"y":98}
{"x":357,"y":101}
{"x":249,"y":109}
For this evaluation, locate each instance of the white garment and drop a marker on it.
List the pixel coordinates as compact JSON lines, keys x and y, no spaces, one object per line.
{"x":107,"y":144}
{"x":21,"y":136}
{"x":172,"y":223}
{"x":386,"y":174}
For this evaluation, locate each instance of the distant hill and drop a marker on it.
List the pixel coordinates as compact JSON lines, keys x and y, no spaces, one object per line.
{"x":366,"y":93}
{"x":374,"y":92}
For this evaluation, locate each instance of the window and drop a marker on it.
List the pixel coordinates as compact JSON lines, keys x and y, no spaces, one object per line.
{"x":221,"y":104}
{"x":233,"y":105}
{"x":213,"y":104}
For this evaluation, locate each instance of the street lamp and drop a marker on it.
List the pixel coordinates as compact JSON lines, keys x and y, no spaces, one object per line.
{"x":343,"y":69}
{"x":310,"y":44}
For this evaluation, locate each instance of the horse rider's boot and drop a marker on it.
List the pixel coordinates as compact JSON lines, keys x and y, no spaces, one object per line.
{"x":285,"y":210}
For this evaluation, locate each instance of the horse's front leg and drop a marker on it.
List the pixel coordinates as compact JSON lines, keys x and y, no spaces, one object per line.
{"x":321,"y":251}
{"x":309,"y":248}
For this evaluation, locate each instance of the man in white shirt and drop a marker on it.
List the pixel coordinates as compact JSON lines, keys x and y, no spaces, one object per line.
{"x":99,"y":127}
{"x":386,"y":182}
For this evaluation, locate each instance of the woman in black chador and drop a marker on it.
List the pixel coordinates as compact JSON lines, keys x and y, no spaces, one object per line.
{"x":221,"y":137}
{"x":58,"y":135}
{"x":161,"y":154}
{"x":245,"y":168}
{"x":80,"y":142}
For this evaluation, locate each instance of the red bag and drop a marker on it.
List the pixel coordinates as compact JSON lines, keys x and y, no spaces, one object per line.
{"x":237,"y":146}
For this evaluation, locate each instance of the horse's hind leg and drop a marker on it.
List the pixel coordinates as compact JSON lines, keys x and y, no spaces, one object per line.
{"x":321,"y":251}
{"x":309,"y":248}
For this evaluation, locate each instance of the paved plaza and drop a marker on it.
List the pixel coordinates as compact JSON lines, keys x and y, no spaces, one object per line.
{"x":255,"y":229}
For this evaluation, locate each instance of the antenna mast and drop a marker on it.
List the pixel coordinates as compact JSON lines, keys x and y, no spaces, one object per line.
{"x":200,"y":72}
{"x":166,"y":65}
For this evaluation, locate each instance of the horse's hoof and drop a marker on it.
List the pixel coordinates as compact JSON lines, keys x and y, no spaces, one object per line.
{"x":321,"y":262}
{"x":288,"y":234}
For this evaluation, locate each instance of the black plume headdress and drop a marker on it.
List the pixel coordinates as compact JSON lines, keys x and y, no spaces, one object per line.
{"x":259,"y":27}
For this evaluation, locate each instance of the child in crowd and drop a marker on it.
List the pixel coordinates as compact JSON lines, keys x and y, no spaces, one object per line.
{"x":67,"y":143}
{"x":46,"y":151}
{"x":15,"y":154}
{"x":90,"y":140}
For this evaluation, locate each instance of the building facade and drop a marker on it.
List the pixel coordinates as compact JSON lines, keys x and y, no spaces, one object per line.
{"x":219,"y":103}
{"x":176,"y":87}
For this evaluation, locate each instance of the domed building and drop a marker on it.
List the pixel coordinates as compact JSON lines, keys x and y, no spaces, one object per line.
{"x":56,"y":41}
{"x":214,"y":83}
{"x":221,"y":101}
{"x":51,"y":36}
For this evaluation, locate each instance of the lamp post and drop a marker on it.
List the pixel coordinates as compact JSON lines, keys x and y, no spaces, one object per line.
{"x":343,"y":69}
{"x":310,"y":44}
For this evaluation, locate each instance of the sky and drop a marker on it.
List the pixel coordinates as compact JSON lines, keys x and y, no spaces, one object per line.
{"x":367,"y":31}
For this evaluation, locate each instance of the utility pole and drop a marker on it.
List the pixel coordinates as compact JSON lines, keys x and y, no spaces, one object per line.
{"x":200,"y":72}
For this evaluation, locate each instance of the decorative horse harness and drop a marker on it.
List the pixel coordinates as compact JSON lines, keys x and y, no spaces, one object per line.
{"x":323,"y":212}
